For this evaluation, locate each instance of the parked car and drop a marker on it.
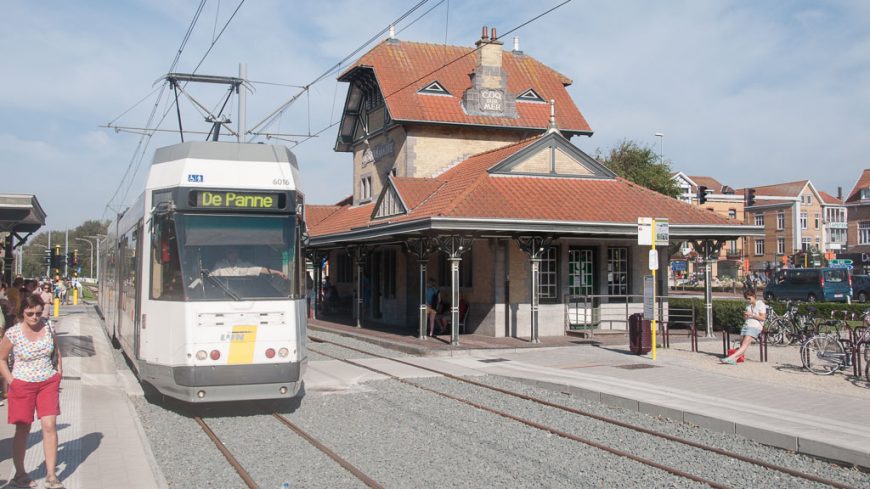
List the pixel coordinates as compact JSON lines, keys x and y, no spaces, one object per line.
{"x":810,"y":284}
{"x":861,"y":287}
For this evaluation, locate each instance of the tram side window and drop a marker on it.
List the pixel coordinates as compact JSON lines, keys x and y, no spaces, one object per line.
{"x":166,"y":281}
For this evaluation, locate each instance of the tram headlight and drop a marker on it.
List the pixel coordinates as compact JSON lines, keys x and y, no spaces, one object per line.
{"x":201,"y":355}
{"x":283,"y":352}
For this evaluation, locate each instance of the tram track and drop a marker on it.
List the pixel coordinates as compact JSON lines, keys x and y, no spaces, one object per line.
{"x":580,"y":412}
{"x":309,"y":438}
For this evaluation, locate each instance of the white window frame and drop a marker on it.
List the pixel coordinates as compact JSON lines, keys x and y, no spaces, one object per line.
{"x":759,"y":219}
{"x":816,"y":219}
{"x":780,"y":221}
{"x":732,"y":213}
{"x":780,"y":246}
{"x":806,"y":243}
{"x":803,"y":220}
{"x":864,"y":232}
{"x":759,"y":247}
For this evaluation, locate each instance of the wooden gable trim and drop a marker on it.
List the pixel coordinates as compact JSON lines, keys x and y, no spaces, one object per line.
{"x":553,"y":140}
{"x":388,"y":191}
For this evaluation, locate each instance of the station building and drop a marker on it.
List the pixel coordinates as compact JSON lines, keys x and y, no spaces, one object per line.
{"x":464,"y":172}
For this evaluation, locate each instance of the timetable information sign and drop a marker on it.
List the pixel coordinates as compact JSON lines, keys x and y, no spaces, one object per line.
{"x":648,"y":301}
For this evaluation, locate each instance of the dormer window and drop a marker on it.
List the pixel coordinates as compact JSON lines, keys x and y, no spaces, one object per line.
{"x":865,"y":194}
{"x":434,"y":88}
{"x":530,"y":96}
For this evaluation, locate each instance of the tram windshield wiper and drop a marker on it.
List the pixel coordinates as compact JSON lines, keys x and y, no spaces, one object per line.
{"x":207,"y":275}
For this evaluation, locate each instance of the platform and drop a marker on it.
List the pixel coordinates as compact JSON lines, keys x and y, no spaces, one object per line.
{"x":101,"y":444}
{"x":774,"y":403}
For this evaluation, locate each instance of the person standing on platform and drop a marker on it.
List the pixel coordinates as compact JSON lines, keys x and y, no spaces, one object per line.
{"x":48,"y":298}
{"x":34,"y":385}
{"x":754,"y":316}
{"x":433,"y":302}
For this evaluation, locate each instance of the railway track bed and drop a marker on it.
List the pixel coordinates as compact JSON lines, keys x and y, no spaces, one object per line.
{"x":402,"y":436}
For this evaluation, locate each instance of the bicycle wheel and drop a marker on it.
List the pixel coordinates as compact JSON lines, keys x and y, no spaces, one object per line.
{"x":823,"y":355}
{"x":776,"y":330}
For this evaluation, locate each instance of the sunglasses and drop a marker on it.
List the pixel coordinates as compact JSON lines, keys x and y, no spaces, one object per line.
{"x":32,"y":313}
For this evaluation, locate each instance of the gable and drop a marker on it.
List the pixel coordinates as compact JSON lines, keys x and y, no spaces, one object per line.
{"x":389,"y":203}
{"x":530,"y":96}
{"x":434,"y":88}
{"x":552,"y":156}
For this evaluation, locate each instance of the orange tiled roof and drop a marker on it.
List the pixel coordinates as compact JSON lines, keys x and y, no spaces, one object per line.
{"x":415,"y":190}
{"x":829,"y":199}
{"x":788,"y":189}
{"x":709,"y":182}
{"x":315,"y":214}
{"x":402,"y":68}
{"x":469,"y":191}
{"x":863,"y":182}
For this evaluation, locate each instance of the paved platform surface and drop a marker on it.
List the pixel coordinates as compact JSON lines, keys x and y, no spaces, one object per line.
{"x":772,"y":403}
{"x":100,"y":441}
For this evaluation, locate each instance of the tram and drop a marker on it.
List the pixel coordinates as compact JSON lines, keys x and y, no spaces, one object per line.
{"x":202,"y":279}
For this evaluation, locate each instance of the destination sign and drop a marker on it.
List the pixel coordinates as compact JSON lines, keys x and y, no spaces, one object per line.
{"x":231,"y":199}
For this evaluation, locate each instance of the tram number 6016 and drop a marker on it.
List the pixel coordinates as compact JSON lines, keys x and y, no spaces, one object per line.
{"x":280,"y":181}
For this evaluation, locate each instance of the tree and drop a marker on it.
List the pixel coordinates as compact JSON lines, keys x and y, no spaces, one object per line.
{"x":640,"y":165}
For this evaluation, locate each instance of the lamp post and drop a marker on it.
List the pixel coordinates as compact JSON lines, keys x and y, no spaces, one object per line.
{"x":661,"y":137}
{"x":48,"y":269}
{"x":91,"y":244}
{"x":98,"y":238}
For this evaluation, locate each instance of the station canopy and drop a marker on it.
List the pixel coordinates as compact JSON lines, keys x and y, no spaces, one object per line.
{"x":20,"y":213}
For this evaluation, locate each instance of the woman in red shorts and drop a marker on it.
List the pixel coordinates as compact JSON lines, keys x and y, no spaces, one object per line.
{"x":34,"y":385}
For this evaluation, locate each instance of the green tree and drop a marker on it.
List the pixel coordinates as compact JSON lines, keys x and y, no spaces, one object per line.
{"x":34,"y":249}
{"x":640,"y":165}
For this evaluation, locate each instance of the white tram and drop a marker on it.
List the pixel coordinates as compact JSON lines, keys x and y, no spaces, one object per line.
{"x":191,"y":328}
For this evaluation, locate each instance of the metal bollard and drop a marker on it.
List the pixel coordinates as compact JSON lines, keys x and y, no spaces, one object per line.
{"x":56,"y":307}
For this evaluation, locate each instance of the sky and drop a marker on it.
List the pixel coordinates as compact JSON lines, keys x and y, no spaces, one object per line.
{"x":750,"y":93}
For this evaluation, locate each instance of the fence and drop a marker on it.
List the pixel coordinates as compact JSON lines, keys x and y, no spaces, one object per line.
{"x":606,"y":312}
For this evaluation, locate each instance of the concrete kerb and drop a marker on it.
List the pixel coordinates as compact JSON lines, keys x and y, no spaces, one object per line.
{"x":763,"y":436}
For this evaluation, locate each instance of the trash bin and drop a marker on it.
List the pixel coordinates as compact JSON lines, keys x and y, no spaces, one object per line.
{"x":639,"y":334}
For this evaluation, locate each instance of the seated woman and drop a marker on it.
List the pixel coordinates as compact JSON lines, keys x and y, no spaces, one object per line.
{"x":445,"y":318}
{"x":754,"y":316}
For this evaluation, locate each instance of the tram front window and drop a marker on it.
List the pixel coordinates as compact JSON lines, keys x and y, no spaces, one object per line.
{"x":237,"y":257}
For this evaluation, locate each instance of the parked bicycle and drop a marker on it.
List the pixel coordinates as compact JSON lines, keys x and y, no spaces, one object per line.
{"x":792,"y":327}
{"x":827,"y":352}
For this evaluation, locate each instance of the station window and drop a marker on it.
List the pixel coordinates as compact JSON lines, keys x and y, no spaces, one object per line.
{"x":548,"y":285}
{"x":581,"y":271}
{"x":617,"y":271}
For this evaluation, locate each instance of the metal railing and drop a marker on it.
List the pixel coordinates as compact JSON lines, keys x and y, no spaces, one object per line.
{"x":601,"y":312}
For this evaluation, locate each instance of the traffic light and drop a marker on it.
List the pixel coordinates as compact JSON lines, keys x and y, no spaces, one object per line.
{"x":47,"y":259}
{"x":750,"y":197}
{"x":56,"y":258}
{"x":75,"y":258}
{"x":702,"y":195}
{"x":70,"y":259}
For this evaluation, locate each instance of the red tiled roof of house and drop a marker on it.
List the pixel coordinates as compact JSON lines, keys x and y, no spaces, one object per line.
{"x":469,"y":191}
{"x":402,"y":68}
{"x":863,"y":182}
{"x":788,"y":189}
{"x":829,"y":199}
{"x":711,"y":183}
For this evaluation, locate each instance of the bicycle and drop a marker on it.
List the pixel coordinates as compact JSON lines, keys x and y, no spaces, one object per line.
{"x":827,"y":353}
{"x":789,"y":328}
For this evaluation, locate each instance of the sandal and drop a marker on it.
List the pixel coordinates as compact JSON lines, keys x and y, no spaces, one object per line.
{"x":729,"y":361}
{"x":55,"y":484}
{"x":23,"y":481}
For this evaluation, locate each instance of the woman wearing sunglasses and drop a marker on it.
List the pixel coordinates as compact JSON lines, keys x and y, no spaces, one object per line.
{"x":34,"y":385}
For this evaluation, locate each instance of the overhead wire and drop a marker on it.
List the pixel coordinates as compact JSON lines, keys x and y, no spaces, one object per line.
{"x":147,"y":137}
{"x":162,"y":89}
{"x":270,"y":119}
{"x":448,"y":63}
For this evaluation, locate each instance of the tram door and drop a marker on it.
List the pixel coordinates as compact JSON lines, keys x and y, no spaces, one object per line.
{"x":139,"y":287}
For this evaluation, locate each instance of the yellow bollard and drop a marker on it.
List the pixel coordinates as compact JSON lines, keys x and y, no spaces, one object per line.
{"x":56,"y":307}
{"x":75,"y":296}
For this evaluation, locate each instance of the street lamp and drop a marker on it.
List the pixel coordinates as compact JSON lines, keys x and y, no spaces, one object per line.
{"x":92,"y":254}
{"x":661,"y":137}
{"x":98,"y":238}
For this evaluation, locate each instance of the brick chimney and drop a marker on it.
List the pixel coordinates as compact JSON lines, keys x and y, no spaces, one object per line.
{"x":488,"y":94}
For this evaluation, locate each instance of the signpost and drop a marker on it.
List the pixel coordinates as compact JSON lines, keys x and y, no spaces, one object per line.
{"x":650,"y":231}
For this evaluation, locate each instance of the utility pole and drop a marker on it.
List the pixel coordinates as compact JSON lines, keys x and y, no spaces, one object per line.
{"x":65,"y":255}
